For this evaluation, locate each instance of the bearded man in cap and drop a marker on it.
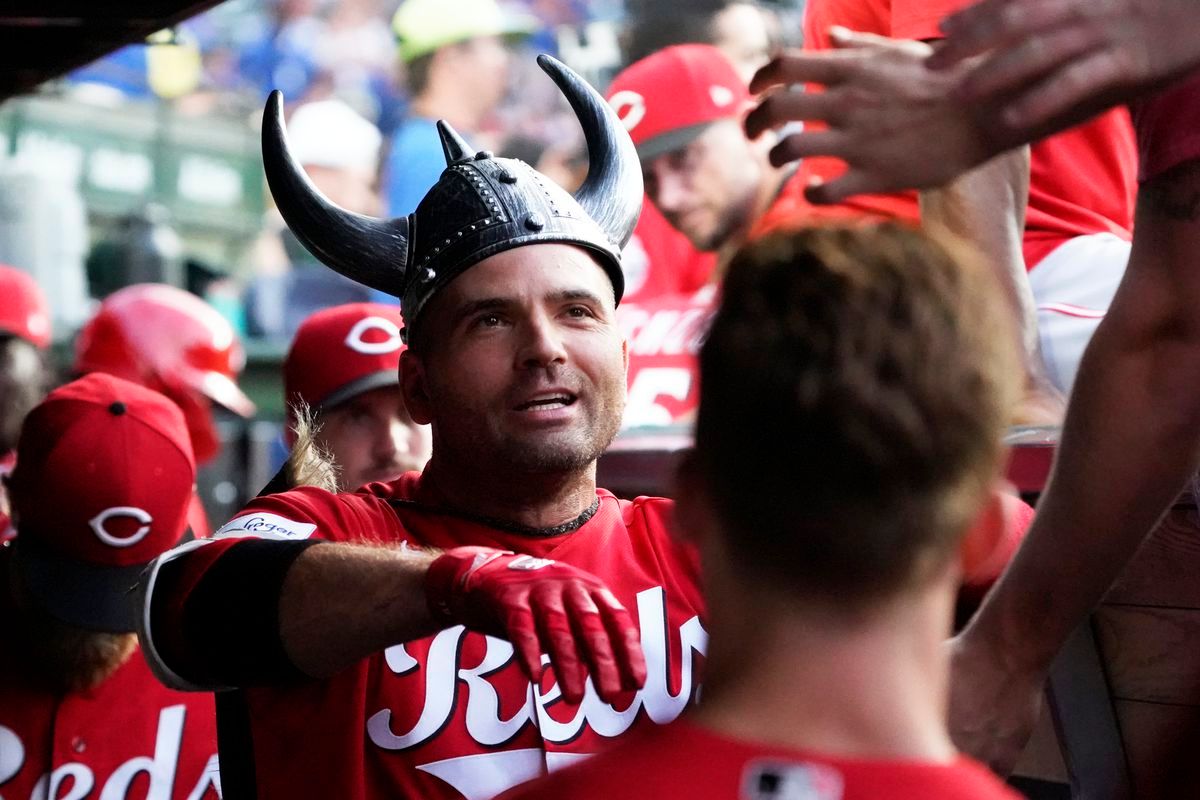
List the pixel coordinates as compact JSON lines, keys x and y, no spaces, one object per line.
{"x":368,"y":663}
{"x":81,"y":715}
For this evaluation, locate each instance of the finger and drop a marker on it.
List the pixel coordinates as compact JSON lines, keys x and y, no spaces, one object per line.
{"x":554,"y":631}
{"x":787,"y":106}
{"x":1015,"y":68}
{"x":1065,"y":90}
{"x":996,"y":25}
{"x":840,"y":189}
{"x":828,"y":68}
{"x":589,"y":630}
{"x":625,"y":637}
{"x":522,"y":633}
{"x":808,"y":143}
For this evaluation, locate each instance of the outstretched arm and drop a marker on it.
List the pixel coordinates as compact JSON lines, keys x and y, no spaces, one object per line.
{"x":1131,"y":438}
{"x":986,"y":208}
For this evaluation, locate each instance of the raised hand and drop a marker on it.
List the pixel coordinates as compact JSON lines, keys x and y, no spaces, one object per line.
{"x":1047,"y":58}
{"x":897,"y":124}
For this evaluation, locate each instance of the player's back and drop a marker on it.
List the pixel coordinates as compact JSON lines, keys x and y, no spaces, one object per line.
{"x":684,"y":760}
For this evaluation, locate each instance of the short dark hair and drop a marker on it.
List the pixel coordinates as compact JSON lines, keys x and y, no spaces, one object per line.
{"x":855,"y":384}
{"x":416,"y":74}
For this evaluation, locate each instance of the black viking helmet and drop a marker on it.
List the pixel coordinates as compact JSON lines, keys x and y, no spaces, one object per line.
{"x":480,"y":206}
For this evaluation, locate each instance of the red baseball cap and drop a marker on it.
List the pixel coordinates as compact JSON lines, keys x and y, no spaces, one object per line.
{"x":343,"y":351}
{"x":102,"y":484}
{"x":669,"y":97}
{"x":23,"y":309}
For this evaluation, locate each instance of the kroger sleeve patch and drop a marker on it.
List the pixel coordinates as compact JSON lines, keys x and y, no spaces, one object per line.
{"x":266,"y":525}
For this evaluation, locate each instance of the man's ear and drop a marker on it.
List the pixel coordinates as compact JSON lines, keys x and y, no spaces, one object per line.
{"x":995,"y":536}
{"x":414,"y":387}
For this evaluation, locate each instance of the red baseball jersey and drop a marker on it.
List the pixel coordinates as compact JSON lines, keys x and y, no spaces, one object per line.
{"x":1082,"y":181}
{"x":452,"y":715}
{"x":130,"y":738}
{"x":664,"y":338}
{"x":684,"y":760}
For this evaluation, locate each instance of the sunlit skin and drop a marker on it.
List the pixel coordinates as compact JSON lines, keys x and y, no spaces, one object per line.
{"x":710,"y":189}
{"x":371,"y":437}
{"x":523,"y":381}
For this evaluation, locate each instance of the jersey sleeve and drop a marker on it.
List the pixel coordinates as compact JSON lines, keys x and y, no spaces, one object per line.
{"x":210,"y":607}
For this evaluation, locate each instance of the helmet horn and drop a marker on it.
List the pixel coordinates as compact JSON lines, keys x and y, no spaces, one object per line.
{"x":612,"y":192}
{"x":371,"y":251}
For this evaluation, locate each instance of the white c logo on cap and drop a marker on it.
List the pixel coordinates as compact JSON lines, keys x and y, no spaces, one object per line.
{"x":721,"y":95}
{"x":355,"y":341}
{"x":630,"y":107}
{"x":97,"y":522}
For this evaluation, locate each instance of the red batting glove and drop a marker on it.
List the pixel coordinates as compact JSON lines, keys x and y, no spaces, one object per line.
{"x":540,"y":606}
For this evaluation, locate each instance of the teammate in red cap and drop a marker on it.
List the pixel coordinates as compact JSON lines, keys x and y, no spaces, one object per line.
{"x":856,"y":384}
{"x":24,"y":336}
{"x":101,"y":487}
{"x":175,"y":343}
{"x":392,"y":641}
{"x":344,"y":367}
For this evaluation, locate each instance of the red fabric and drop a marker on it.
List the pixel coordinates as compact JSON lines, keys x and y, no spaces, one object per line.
{"x":122,"y":454}
{"x":687,"y":761}
{"x":664,"y":336}
{"x":1168,"y":128}
{"x":339,"y":346}
{"x":104,"y":737}
{"x":994,"y":539}
{"x":1082,"y":181}
{"x":455,"y":709}
{"x":659,"y":260}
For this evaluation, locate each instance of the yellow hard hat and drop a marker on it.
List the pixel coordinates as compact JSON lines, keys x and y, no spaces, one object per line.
{"x":422,"y":26}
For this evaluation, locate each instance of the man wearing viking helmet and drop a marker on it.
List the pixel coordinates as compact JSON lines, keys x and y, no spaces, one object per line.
{"x":390,"y":641}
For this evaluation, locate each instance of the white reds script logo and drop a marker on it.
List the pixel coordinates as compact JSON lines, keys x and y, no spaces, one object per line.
{"x":355,"y":341}
{"x":630,"y":107}
{"x":98,"y":522}
{"x":440,"y":678}
{"x":154,"y":777}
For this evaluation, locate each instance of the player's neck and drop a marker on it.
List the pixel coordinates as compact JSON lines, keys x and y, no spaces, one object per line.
{"x":533,"y":501}
{"x":873,"y":689}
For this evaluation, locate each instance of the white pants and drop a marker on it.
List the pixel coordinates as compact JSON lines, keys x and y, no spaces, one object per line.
{"x":1072,"y":288}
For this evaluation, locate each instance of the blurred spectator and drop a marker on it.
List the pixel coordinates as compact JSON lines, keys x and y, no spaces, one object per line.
{"x":175,"y":343}
{"x":344,"y":367}
{"x":456,"y":68}
{"x":102,"y":486}
{"x":24,"y":335}
{"x":144,"y":248}
{"x":339,"y":150}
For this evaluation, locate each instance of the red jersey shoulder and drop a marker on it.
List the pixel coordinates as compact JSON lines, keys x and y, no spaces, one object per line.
{"x":309,"y":512}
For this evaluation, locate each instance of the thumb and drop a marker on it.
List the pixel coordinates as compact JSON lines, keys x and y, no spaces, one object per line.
{"x":844,"y":38}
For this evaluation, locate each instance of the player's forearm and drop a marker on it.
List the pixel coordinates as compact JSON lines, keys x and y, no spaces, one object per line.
{"x":986,"y":208}
{"x":1130,"y":440}
{"x":340,"y":603}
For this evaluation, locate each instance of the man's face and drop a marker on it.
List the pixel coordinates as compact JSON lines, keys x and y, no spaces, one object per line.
{"x":371,"y":437}
{"x":708,"y":188}
{"x":481,"y":67}
{"x":525,"y":366}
